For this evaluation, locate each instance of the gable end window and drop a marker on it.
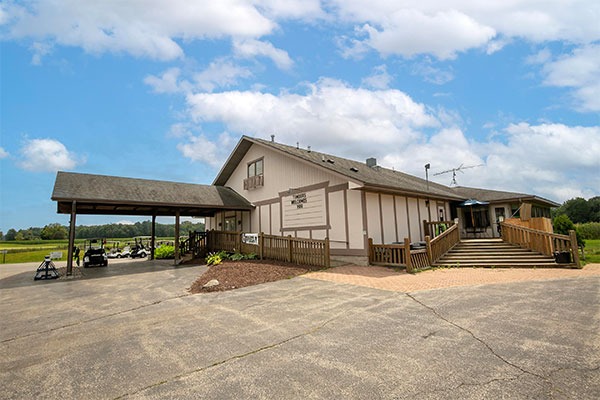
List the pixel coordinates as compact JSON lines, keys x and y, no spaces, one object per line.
{"x":255,"y":177}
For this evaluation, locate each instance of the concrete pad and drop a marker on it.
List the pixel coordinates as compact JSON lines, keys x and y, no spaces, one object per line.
{"x":300,"y":338}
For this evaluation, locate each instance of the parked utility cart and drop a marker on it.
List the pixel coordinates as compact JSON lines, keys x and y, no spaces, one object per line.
{"x":95,"y":255}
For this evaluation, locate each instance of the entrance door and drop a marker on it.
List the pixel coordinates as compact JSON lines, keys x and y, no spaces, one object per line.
{"x":499,"y":211}
{"x":441,"y":212}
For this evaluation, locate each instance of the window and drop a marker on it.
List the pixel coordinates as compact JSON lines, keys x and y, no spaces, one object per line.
{"x":479,"y":218}
{"x":499,"y":213}
{"x":230,"y":224}
{"x":255,"y":168}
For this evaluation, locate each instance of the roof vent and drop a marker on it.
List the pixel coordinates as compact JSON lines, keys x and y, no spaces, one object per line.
{"x":330,"y":161}
{"x":353,"y":169}
{"x":371,"y":162}
{"x":297,"y":145}
{"x":272,"y":138}
{"x":323,"y":158}
{"x":309,"y":149}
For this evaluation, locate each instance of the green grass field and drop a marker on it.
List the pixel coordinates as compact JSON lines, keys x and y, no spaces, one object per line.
{"x":592,"y":251}
{"x":36,"y":250}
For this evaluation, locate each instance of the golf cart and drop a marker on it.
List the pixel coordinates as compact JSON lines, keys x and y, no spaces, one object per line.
{"x":94,"y":255}
{"x":138,"y":249}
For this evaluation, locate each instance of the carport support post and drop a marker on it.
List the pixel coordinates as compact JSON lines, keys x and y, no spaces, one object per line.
{"x":408,"y":261}
{"x":71,"y":238}
{"x":176,"y":236}
{"x":152,"y":234}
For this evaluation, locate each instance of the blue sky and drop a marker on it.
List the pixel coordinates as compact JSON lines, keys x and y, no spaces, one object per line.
{"x":164,"y":90}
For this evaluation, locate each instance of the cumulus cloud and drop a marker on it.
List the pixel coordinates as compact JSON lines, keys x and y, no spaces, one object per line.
{"x":202,"y":149}
{"x":46,"y":155}
{"x":251,"y":48}
{"x":446,"y":28}
{"x":138,"y":27}
{"x":3,"y":153}
{"x":579,"y":70}
{"x":552,"y":160}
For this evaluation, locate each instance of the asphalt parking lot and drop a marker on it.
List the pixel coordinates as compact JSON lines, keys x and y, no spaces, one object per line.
{"x":134,"y":331}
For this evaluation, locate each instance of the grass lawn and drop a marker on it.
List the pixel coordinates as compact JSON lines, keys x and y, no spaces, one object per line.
{"x":592,"y":251}
{"x":30,"y":256}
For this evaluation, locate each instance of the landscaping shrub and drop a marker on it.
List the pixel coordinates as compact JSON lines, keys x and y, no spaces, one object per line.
{"x":562,"y":225}
{"x":590,"y":230}
{"x":164,"y":251}
{"x":251,"y":256}
{"x":237,"y":257}
{"x":214,"y":259}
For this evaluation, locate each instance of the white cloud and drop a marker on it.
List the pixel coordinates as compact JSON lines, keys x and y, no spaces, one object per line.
{"x":380,"y":79}
{"x":139,"y":27}
{"x":432,"y":74}
{"x":219,"y":73}
{"x":201,"y":149}
{"x":579,"y":70}
{"x":547,"y":159}
{"x":46,"y":155}
{"x":125,"y":222}
{"x":446,"y":28}
{"x":3,"y":153}
{"x":251,"y":48}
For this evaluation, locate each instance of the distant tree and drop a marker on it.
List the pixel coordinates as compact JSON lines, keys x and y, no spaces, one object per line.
{"x":53,"y":232}
{"x":594,"y":204}
{"x":563,"y":225}
{"x":10,"y":235}
{"x":19,"y":236}
{"x":1,"y":236}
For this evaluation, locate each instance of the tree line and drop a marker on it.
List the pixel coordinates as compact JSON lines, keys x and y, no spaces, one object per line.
{"x":580,"y":210}
{"x":58,"y":232}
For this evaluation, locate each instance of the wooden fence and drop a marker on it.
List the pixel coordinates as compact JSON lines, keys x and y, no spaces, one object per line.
{"x":398,"y":255}
{"x":441,"y":244}
{"x":540,"y":241}
{"x":435,"y":228}
{"x":282,"y":248}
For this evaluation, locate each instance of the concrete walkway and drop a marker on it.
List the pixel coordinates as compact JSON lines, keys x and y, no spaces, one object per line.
{"x":400,"y":281}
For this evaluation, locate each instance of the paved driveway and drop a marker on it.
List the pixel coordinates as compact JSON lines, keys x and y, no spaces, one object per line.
{"x":141,"y":336}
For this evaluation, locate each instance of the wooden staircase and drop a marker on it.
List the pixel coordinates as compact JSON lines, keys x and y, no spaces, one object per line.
{"x":493,"y":252}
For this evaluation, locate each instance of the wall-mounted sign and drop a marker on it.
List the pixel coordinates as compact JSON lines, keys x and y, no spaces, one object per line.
{"x":250,"y":238}
{"x":304,"y":209}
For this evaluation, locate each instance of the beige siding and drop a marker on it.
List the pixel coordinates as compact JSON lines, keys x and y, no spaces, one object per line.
{"x":303,"y":234}
{"x":402,"y":218}
{"x":415,"y":231}
{"x":389,"y":228}
{"x":319,"y":234}
{"x":373,"y":217}
{"x":246,"y":222}
{"x":337,"y":220}
{"x":275,"y":219}
{"x":265,"y":222}
{"x":355,"y":222}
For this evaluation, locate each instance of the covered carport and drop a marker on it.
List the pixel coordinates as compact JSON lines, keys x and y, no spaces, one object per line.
{"x":77,"y":193}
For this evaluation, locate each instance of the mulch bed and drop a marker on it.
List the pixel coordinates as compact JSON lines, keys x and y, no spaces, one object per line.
{"x":237,"y":274}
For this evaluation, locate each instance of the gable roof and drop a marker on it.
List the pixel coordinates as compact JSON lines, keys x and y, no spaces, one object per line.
{"x":490,"y":195}
{"x":378,"y":177}
{"x":103,"y":189}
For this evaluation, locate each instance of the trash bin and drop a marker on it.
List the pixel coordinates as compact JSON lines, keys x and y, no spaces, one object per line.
{"x":562,"y":257}
{"x":418,"y":246}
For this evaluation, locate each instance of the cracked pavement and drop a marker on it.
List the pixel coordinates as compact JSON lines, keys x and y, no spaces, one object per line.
{"x":139,"y":335}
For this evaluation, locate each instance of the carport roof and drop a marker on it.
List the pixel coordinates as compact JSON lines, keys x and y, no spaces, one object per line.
{"x":102,"y":194}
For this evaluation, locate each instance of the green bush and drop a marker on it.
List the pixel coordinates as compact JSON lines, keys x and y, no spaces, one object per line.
{"x":590,"y":230}
{"x":164,"y":251}
{"x":562,"y":225}
{"x":237,"y":257}
{"x":213,"y":259}
{"x":223,"y":255}
{"x":251,"y":256}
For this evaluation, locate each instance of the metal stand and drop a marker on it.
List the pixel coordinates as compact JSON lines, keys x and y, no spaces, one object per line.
{"x":46,"y":270}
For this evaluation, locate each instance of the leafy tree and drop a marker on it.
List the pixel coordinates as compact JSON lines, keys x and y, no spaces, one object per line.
{"x":563,"y":225}
{"x":1,"y":236}
{"x":10,"y":235}
{"x":19,"y":236}
{"x":53,"y":232}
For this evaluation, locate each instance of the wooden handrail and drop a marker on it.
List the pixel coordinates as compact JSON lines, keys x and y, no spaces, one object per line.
{"x":540,"y":241}
{"x":441,"y":244}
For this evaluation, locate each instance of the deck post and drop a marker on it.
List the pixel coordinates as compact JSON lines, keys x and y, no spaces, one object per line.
{"x":370,"y":244}
{"x":176,"y":236}
{"x":425,"y":230}
{"x":327,"y":255}
{"x":152,"y":234}
{"x":290,"y":250}
{"x":575,"y":248}
{"x":71,"y":238}
{"x":260,"y":245}
{"x":429,"y":255}
{"x":407,"y":255}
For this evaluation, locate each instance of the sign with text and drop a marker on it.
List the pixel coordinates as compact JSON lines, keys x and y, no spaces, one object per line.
{"x":55,"y":255}
{"x":250,"y":238}
{"x":304,"y":209}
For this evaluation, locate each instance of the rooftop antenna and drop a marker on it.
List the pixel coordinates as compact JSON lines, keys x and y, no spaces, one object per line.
{"x":460,"y":169}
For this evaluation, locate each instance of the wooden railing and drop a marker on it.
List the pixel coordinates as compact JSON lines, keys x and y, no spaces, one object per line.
{"x":435,"y":228}
{"x":254,"y":182}
{"x":398,"y":255}
{"x":441,"y":244}
{"x":543,"y":242}
{"x":282,"y":248}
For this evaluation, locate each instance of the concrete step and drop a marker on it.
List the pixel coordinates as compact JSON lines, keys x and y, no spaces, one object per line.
{"x":532,"y":261}
{"x":498,"y":265}
{"x":497,"y":256}
{"x":502,"y":251}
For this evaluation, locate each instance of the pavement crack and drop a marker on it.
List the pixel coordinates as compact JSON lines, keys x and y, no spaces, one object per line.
{"x":232,"y":358}
{"x":85,"y":321}
{"x":487,"y":346}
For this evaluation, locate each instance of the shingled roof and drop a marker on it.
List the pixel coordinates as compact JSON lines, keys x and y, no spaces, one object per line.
{"x":499,"y":196}
{"x":102,"y":190}
{"x":378,"y":177}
